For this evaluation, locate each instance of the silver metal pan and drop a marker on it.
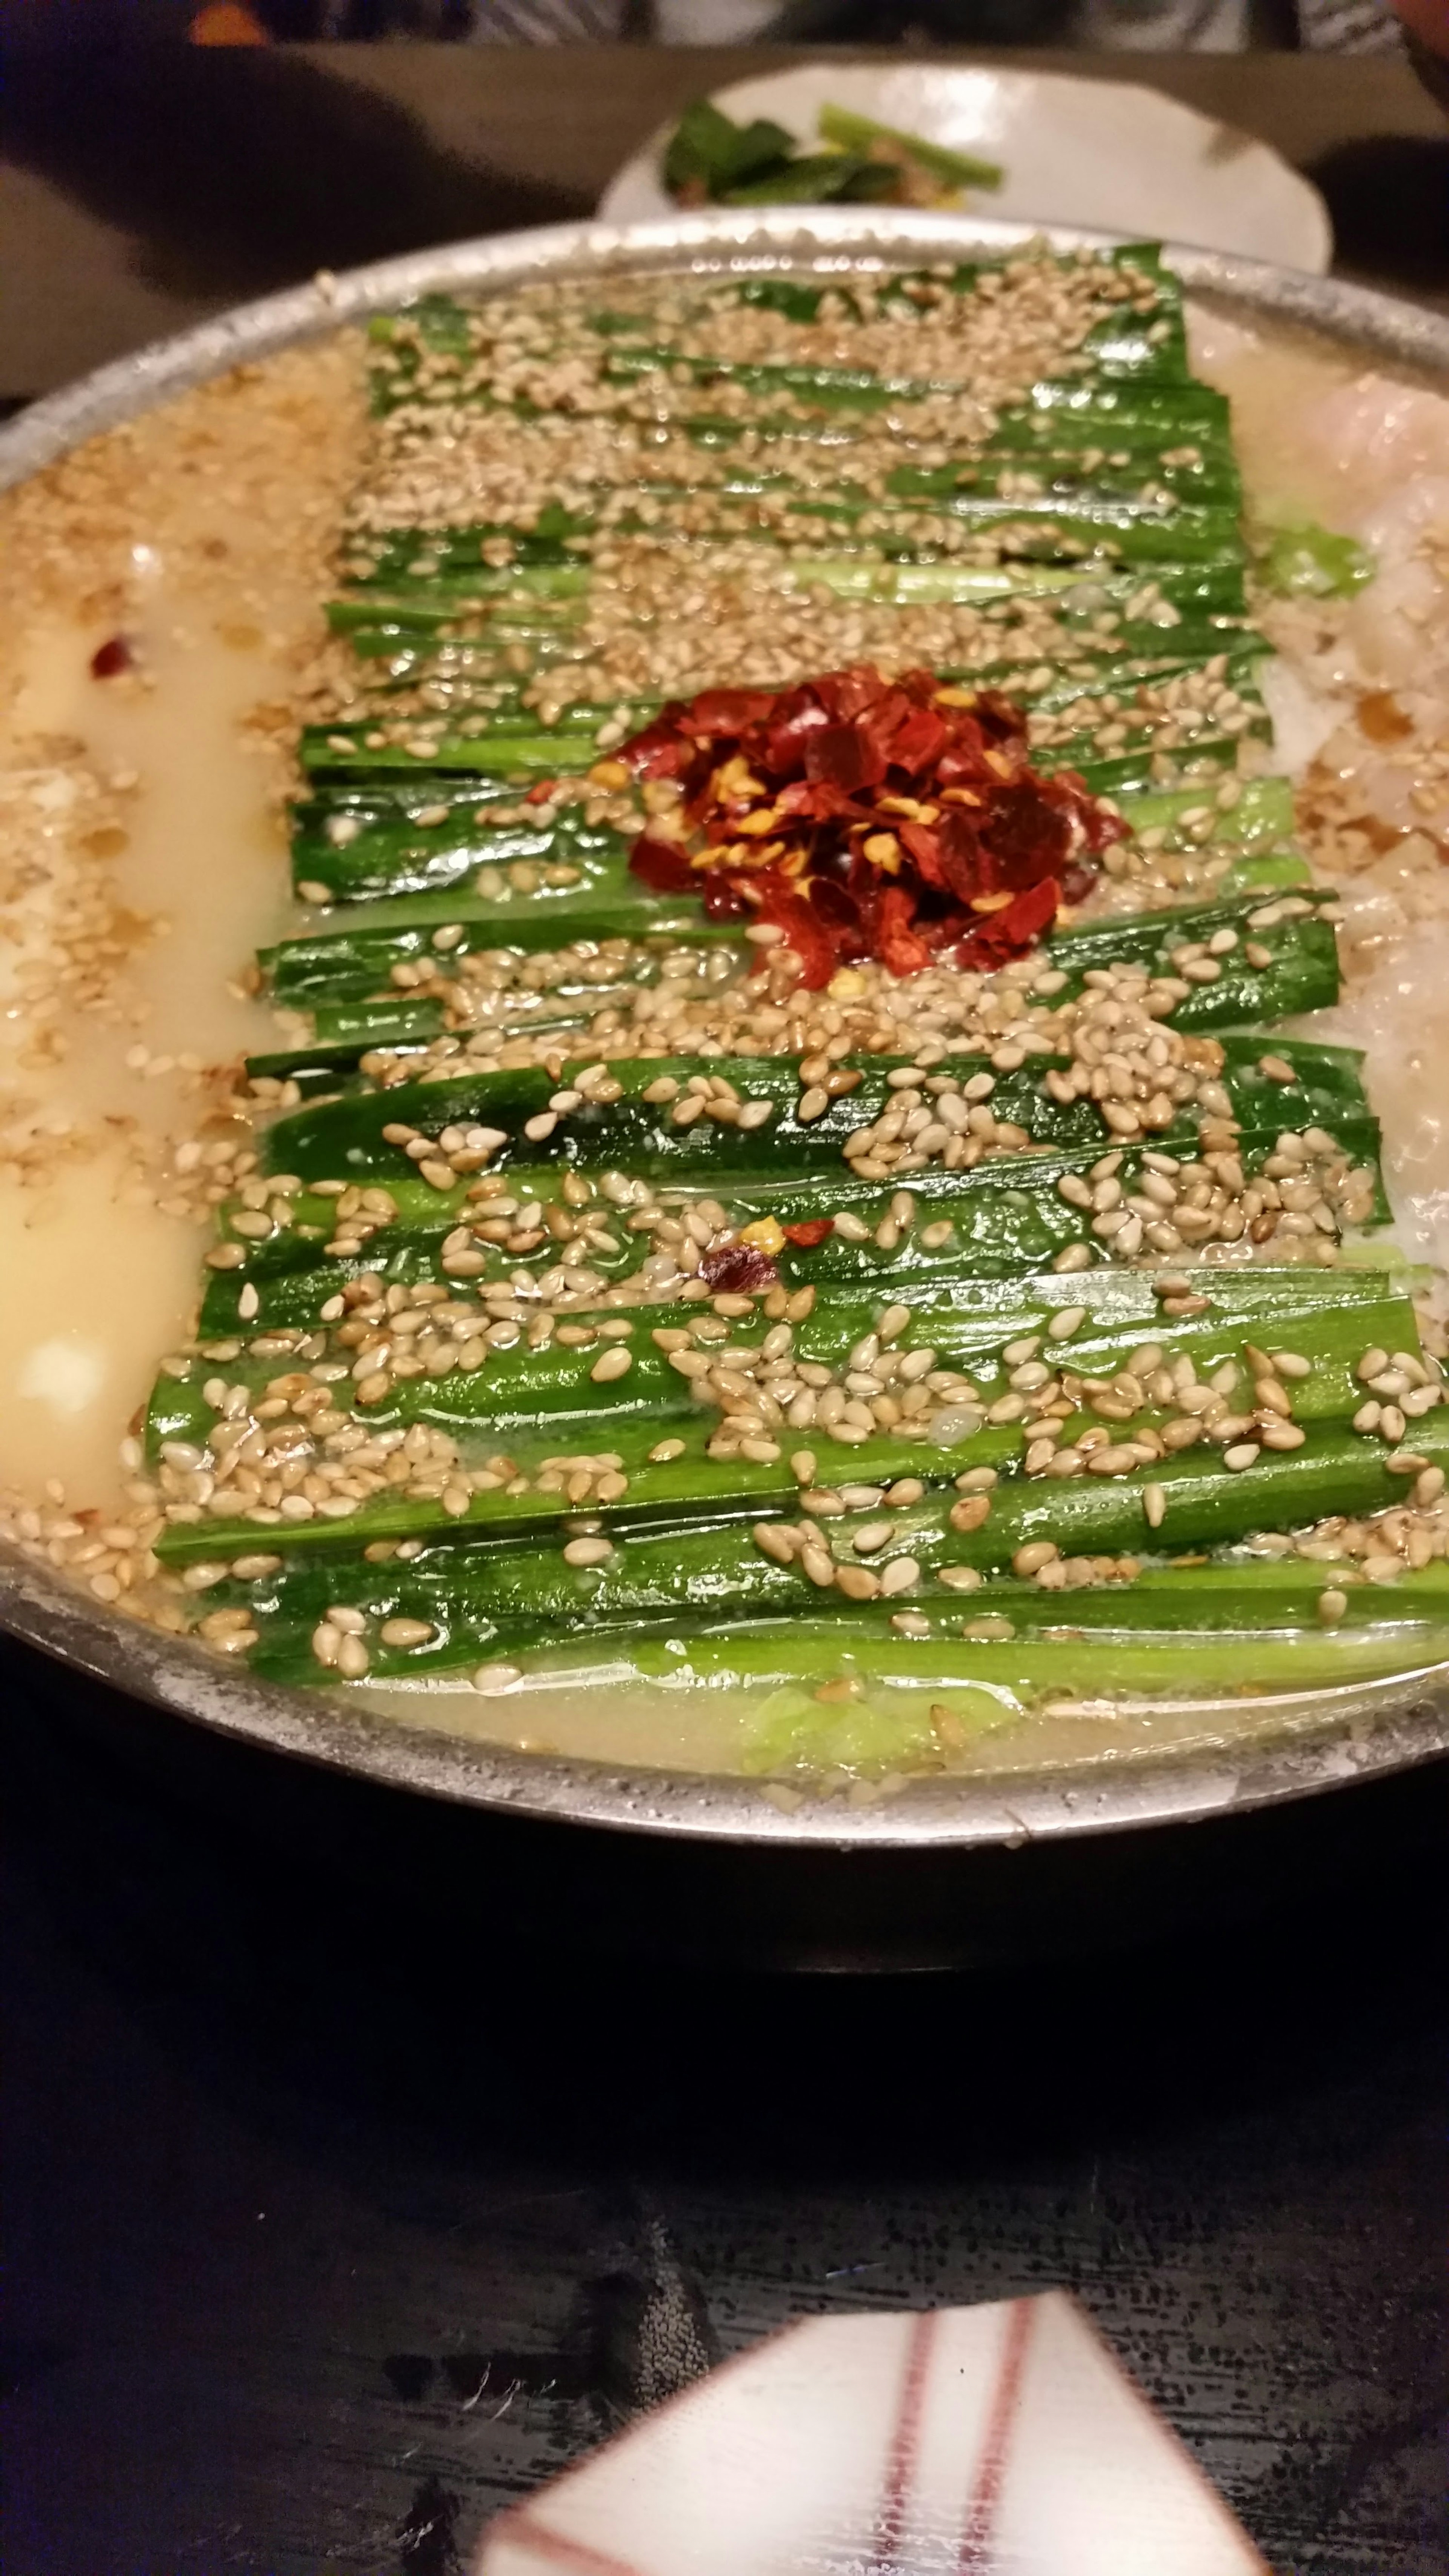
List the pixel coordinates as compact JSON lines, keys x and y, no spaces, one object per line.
{"x":1332,"y":1740}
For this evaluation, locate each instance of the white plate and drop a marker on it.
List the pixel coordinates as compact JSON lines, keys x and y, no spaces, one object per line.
{"x":1092,"y":152}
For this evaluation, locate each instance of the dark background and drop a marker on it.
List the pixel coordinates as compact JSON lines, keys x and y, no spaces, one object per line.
{"x":342,"y":2211}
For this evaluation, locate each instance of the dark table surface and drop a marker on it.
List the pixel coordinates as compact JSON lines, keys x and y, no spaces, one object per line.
{"x":142,"y":187}
{"x":336,"y":2224}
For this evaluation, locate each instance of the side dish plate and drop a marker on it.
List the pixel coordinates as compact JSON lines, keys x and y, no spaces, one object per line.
{"x":1108,"y":153}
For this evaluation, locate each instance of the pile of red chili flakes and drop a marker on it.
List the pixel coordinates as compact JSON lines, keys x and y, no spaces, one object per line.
{"x":866,"y":817}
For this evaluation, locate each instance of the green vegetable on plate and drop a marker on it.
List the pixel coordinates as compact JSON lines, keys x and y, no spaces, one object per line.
{"x":709,"y":159}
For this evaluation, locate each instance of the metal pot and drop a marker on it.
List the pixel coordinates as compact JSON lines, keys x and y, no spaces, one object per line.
{"x":1308,"y":1746}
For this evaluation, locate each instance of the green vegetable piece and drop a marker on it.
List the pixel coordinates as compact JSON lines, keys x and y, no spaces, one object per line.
{"x":856,"y":133}
{"x":794,"y":1728}
{"x":709,"y":151}
{"x":1302,"y":560}
{"x":818,"y":179}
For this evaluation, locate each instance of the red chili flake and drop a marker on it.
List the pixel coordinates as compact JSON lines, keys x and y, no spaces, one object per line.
{"x":663,"y":865}
{"x":110,"y":659}
{"x":806,"y":929}
{"x":1009,"y":933}
{"x":808,"y":1232}
{"x":843,"y":755}
{"x":664,"y":749}
{"x":737,"y":1270}
{"x":866,"y":817}
{"x":722,"y":713}
{"x":541,"y":791}
{"x":898,"y":944}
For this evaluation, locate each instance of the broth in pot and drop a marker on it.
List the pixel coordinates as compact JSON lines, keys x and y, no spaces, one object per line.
{"x":722,"y":1020}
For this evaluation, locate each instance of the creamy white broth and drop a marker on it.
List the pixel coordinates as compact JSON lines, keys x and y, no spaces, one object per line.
{"x":198,"y":538}
{"x":204,"y":860}
{"x":1322,"y":436}
{"x":212,"y":565}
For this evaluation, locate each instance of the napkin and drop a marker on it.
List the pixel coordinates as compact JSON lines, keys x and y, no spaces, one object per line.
{"x":994,"y":2441}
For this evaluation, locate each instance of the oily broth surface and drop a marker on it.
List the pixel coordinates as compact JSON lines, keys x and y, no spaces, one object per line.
{"x":702,"y":1730}
{"x":203,"y":535}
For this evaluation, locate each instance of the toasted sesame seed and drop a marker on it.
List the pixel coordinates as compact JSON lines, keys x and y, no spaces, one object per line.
{"x":588,"y":1551}
{"x":1066,"y":1321}
{"x":857,"y":1582}
{"x":875,"y":1535}
{"x":493,"y":1679}
{"x":1030,"y":1559}
{"x":775,"y":1540}
{"x":406,"y":1632}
